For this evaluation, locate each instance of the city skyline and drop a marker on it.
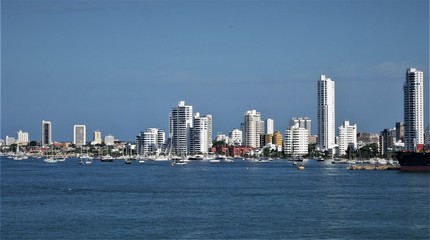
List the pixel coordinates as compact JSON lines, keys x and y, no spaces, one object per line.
{"x":119,"y":67}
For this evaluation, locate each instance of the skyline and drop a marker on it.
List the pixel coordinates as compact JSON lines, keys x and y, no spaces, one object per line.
{"x":119,"y":67}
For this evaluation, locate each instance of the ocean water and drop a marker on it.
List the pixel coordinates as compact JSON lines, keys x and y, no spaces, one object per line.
{"x":202,"y":200}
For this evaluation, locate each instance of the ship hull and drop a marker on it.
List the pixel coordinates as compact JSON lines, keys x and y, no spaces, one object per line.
{"x":414,"y":161}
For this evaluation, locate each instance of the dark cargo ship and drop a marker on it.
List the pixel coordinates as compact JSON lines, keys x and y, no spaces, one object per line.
{"x":414,"y":161}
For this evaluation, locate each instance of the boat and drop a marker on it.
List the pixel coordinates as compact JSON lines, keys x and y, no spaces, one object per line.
{"x":50,"y":160}
{"x":264,"y":160}
{"x":301,"y":167}
{"x":106,"y":158}
{"x":127,"y":161}
{"x":320,"y":159}
{"x":179,"y":162}
{"x":414,"y":161}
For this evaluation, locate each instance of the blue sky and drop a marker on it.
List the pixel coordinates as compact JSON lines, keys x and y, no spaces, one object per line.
{"x":120,"y":66}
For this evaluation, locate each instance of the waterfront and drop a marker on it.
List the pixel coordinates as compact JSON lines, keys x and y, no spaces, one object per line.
{"x":200,"y":200}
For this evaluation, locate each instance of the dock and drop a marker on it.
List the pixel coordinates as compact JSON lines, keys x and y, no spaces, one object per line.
{"x":373,"y":167}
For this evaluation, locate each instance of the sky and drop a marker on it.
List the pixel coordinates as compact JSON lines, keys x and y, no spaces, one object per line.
{"x":121,"y":66}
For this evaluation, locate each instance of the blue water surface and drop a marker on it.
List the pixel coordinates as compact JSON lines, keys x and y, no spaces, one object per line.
{"x":203,"y":200}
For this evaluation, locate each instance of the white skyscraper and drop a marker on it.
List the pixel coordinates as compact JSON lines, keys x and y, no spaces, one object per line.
{"x":269,"y":126}
{"x":46,"y":133}
{"x":296,"y":141}
{"x":109,"y":140}
{"x":326,"y":114}
{"x":235,"y":137}
{"x":302,"y":122}
{"x":180,"y":124}
{"x":201,"y":139}
{"x":252,"y":128}
{"x":22,"y":137}
{"x":97,"y":137}
{"x":150,"y":142}
{"x":413,"y":93}
{"x":79,"y":135}
{"x":347,"y":137}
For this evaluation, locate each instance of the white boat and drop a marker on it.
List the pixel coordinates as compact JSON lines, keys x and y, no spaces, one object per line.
{"x":50,"y":160}
{"x":215,"y":160}
{"x":228,"y":160}
{"x":179,"y":162}
{"x":106,"y":158}
{"x":141,"y":161}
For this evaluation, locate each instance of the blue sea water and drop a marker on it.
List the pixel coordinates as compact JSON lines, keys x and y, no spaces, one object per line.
{"x":203,"y":200}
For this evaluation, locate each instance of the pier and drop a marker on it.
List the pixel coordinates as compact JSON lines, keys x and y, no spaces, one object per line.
{"x":373,"y":167}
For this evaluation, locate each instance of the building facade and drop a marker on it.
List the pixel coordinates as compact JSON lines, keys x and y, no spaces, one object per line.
{"x":235,"y":136}
{"x":46,"y":136}
{"x":201,"y":134}
{"x":326,"y":114}
{"x":150,"y":142}
{"x":413,"y":105}
{"x":22,"y":137}
{"x":79,"y":135}
{"x":269,"y":126}
{"x":304,"y":122}
{"x":180,"y":125}
{"x":252,"y":125}
{"x":386,"y":142}
{"x":400,"y":131}
{"x":109,"y":140}
{"x":296,"y":141}
{"x":347,"y":137}
{"x":97,"y":137}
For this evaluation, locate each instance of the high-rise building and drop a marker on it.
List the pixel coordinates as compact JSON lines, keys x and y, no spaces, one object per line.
{"x":150,"y":142}
{"x":326,"y":114}
{"x":386,"y":143}
{"x":269,"y":126}
{"x":109,"y":140}
{"x":277,"y":138}
{"x":413,"y":93}
{"x":180,"y":124}
{"x":252,"y":128}
{"x":22,"y":137}
{"x":97,"y":137}
{"x":296,"y":141}
{"x":347,"y":137}
{"x":303,"y":123}
{"x":235,"y":137}
{"x":201,"y":139}
{"x":46,"y":133}
{"x":400,"y":131}
{"x":79,"y":135}
{"x":10,"y":140}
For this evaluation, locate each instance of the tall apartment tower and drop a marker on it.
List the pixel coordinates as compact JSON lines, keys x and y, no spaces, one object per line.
{"x":201,"y":139}
{"x":413,"y":105}
{"x":252,"y":127}
{"x":269,"y":126}
{"x":97,"y":137}
{"x":79,"y":135}
{"x":46,"y":133}
{"x":326,"y":114}
{"x":180,"y":124}
{"x":347,"y":137}
{"x":400,"y":131}
{"x":296,"y":141}
{"x":303,"y":123}
{"x":235,"y":137}
{"x":150,"y":142}
{"x":22,"y":137}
